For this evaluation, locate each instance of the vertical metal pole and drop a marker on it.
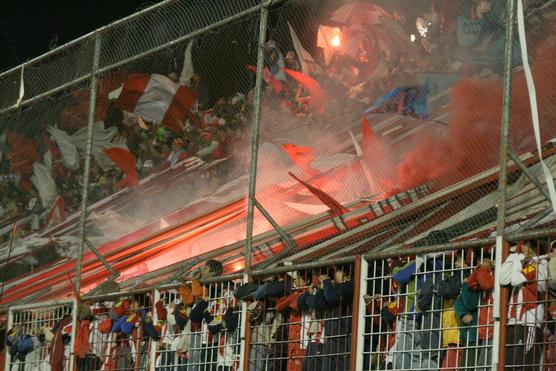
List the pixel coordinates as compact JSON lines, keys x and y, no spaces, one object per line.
{"x":500,"y":309}
{"x":255,"y":128}
{"x":245,"y":348}
{"x":355,"y":324}
{"x":87,"y":170}
{"x":154,"y":344}
{"x":364,"y":273}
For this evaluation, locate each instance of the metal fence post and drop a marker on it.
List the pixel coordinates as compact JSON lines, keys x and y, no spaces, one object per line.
{"x":355,"y":317}
{"x":154,"y":344}
{"x":500,"y":310}
{"x":255,"y":128}
{"x":364,"y":273}
{"x":245,"y":341}
{"x":87,"y":170}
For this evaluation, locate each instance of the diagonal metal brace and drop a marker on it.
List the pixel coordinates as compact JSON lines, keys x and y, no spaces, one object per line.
{"x":525,"y":170}
{"x":101,"y":258}
{"x":288,"y":240}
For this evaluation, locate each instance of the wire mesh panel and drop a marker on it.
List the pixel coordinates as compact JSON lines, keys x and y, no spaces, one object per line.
{"x":39,"y":337}
{"x":200,"y":328}
{"x":41,"y":166}
{"x":531,"y":93}
{"x":180,"y":120}
{"x":365,"y":101}
{"x":170,"y":131}
{"x":301,"y":320}
{"x":430,"y":312}
{"x":436,"y":311}
{"x":118,"y":336}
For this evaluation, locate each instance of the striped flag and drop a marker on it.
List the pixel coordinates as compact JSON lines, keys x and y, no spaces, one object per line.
{"x":156,"y":98}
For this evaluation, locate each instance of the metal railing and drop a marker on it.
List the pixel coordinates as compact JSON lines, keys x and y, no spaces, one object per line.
{"x":368,"y":316}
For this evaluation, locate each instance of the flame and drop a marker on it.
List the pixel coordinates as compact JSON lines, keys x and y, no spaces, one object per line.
{"x":238,"y":266}
{"x":335,"y":42}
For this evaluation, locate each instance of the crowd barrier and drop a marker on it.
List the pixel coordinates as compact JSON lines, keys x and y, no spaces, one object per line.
{"x":434,"y":311}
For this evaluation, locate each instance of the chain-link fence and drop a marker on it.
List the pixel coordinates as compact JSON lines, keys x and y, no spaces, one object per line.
{"x":170,"y":124}
{"x":367,"y":101}
{"x":257,"y":132}
{"x":40,"y":336}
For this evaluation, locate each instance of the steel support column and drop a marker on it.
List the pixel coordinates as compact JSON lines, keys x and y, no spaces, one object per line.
{"x":255,"y":129}
{"x":87,"y":172}
{"x":501,"y":294}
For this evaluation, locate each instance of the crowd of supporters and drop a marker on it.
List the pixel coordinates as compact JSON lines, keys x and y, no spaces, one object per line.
{"x":473,"y":29}
{"x":436,"y":311}
{"x":427,"y":312}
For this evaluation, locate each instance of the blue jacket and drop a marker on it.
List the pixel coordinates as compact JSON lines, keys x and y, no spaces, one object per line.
{"x":405,"y":276}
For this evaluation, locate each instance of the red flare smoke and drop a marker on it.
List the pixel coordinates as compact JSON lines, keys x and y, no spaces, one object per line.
{"x":471,"y":142}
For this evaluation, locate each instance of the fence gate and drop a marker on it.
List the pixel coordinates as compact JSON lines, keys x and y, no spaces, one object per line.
{"x":41,"y":336}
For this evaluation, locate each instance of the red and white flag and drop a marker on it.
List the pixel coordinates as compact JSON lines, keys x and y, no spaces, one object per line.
{"x":156,"y":98}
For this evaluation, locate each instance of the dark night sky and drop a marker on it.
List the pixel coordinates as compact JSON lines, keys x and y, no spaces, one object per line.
{"x":28,"y":26}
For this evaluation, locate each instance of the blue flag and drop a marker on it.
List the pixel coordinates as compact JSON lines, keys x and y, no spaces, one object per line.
{"x":404,"y":100}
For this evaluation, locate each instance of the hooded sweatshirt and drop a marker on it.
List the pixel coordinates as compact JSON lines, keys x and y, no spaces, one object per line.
{"x":482,"y":280}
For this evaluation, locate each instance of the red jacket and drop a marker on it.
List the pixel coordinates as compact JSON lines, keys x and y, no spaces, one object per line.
{"x":295,"y":350}
{"x":57,"y":354}
{"x":82,"y":347}
{"x":482,"y":279}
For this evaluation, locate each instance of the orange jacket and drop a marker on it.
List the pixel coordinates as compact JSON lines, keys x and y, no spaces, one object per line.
{"x":189,"y":294}
{"x":482,"y":279}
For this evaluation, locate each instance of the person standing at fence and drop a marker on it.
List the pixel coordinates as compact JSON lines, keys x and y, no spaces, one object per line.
{"x":167,"y":320}
{"x":452,"y":336}
{"x":482,"y":281}
{"x":222,"y":326}
{"x":428,"y":302}
{"x":407,"y":353}
{"x":315,"y":347}
{"x":202,"y":355}
{"x":274,"y":288}
{"x":260,"y":321}
{"x":382,"y":326}
{"x":462,"y":318}
{"x":338,"y":295}
{"x":297,"y":334}
{"x":527,"y":274}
